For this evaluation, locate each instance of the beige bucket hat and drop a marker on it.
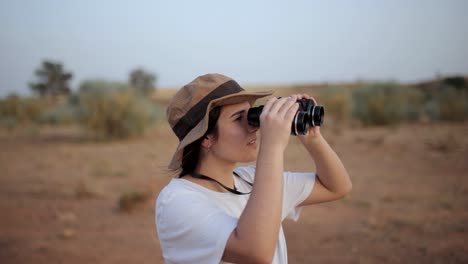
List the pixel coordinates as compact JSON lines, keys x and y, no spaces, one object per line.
{"x":188,"y":111}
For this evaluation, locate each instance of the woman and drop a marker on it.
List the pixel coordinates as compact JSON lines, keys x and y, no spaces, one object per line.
{"x":217,"y":213}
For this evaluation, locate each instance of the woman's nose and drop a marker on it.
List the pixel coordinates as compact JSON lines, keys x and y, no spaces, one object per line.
{"x":251,"y":129}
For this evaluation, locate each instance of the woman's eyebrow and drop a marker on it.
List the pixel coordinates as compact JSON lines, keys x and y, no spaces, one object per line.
{"x":238,"y":113}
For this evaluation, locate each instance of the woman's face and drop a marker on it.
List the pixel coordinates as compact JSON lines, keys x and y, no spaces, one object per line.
{"x":236,"y":140}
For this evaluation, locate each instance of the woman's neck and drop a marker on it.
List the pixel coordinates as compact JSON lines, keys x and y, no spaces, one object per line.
{"x":218,"y":170}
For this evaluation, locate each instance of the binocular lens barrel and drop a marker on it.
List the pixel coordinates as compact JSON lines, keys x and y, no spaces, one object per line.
{"x":309,"y":114}
{"x":316,"y":116}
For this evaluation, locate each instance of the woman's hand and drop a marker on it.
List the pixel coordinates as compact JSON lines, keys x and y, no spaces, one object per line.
{"x":254,"y":240}
{"x":275,"y":121}
{"x":314,"y":132}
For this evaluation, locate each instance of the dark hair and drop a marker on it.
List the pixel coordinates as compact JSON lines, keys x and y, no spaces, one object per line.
{"x":191,"y":152}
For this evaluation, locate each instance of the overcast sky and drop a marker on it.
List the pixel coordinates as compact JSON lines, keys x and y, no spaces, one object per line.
{"x":255,"y":42}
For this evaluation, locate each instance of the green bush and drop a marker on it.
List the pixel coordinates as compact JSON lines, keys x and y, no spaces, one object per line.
{"x":457,"y":82}
{"x":446,"y":103}
{"x":15,"y":109}
{"x":61,"y":114}
{"x":453,"y":104}
{"x":112,"y":110}
{"x":386,"y":103}
{"x":101,"y":87}
{"x":8,"y":122}
{"x":337,"y":102}
{"x":432,"y":109}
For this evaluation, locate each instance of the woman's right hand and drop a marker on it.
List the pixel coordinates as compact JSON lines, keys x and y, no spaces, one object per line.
{"x":275,"y":121}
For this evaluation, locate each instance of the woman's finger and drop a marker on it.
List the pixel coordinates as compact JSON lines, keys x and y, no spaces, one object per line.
{"x":291,"y":112}
{"x":286,"y":106}
{"x":301,"y":96}
{"x":268,"y":104}
{"x":310,"y":97}
{"x":278,"y":104}
{"x":306,"y":96}
{"x":313,"y":99}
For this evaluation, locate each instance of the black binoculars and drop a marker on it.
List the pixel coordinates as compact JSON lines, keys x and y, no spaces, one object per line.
{"x":309,"y":114}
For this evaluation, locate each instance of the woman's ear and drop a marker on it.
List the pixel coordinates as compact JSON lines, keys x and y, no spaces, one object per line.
{"x":207,"y":141}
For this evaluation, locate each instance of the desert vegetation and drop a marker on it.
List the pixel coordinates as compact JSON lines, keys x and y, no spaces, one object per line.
{"x":80,"y":171}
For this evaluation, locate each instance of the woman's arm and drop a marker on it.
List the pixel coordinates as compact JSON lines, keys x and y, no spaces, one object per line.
{"x":255,"y":237}
{"x":333,"y":181}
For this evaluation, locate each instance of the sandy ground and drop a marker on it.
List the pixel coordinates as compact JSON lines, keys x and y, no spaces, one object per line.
{"x":59,"y":197}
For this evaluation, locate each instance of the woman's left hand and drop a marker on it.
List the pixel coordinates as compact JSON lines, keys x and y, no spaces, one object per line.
{"x":314,"y":132}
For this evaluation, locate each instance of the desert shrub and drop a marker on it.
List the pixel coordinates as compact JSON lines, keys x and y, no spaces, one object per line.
{"x":112,"y":110}
{"x":8,"y":123}
{"x":15,"y":109}
{"x":61,"y":114}
{"x":386,"y":103}
{"x":446,"y":103}
{"x":457,"y":82}
{"x":337,"y":102}
{"x":431,"y":109}
{"x":101,"y":86}
{"x":129,"y":200}
{"x":453,"y":104}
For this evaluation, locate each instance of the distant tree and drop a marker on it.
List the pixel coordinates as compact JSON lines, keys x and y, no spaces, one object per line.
{"x":142,"y":81}
{"x":458,"y":82}
{"x":53,"y":80}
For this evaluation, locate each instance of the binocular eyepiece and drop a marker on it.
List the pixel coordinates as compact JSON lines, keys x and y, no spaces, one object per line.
{"x":309,"y":114}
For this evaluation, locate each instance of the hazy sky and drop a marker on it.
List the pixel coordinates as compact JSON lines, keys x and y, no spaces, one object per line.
{"x":255,"y":42}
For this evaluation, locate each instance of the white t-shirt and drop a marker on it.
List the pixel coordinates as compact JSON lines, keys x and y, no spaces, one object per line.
{"x":194,"y":223}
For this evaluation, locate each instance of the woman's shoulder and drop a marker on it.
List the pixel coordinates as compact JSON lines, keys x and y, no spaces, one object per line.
{"x":246,"y":169}
{"x":178,"y":197}
{"x":178,"y":190}
{"x":246,"y":172}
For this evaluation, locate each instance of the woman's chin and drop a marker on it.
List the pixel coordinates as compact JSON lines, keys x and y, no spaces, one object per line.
{"x":250,"y":158}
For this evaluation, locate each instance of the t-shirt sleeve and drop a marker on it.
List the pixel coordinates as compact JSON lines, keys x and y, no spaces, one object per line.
{"x":296,"y":188}
{"x":190,"y":230}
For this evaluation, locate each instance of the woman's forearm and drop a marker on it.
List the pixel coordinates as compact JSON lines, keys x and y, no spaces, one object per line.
{"x":260,"y":222}
{"x":258,"y":227}
{"x":330,"y":169}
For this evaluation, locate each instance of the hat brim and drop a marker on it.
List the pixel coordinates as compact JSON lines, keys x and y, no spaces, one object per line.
{"x":200,"y":129}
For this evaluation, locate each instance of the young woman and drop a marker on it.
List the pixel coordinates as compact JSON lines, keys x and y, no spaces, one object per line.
{"x":217,"y":213}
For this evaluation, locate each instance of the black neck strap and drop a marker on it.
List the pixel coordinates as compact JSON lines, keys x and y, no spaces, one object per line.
{"x":234,"y":191}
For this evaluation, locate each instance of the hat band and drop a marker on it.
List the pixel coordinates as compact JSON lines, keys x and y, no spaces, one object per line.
{"x":198,"y":111}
